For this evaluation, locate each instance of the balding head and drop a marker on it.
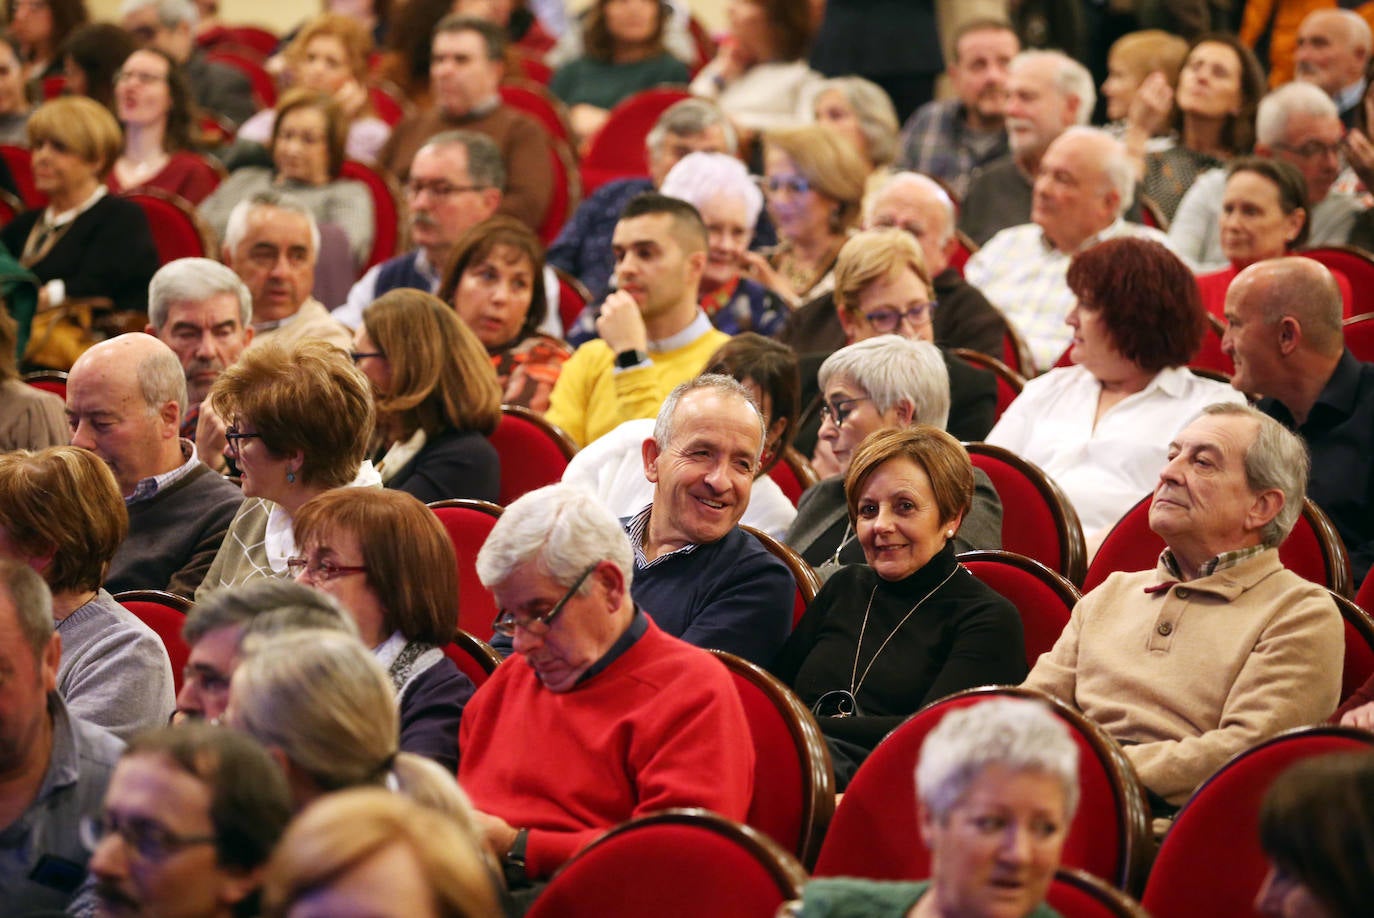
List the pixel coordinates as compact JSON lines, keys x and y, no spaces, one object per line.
{"x":125,"y":399}
{"x":916,"y":203}
{"x":1299,"y":287}
{"x":1084,"y":184}
{"x":1333,"y":49}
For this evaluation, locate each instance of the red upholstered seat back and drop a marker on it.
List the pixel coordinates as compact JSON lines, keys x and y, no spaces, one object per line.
{"x":1037,"y":520}
{"x":386,"y":208}
{"x":20,"y":163}
{"x":1044,"y":599}
{"x":468,"y":523}
{"x":678,"y":864}
{"x":1076,"y":894}
{"x":1210,"y":863}
{"x":875,"y":832}
{"x":536,"y":101}
{"x":617,"y":150}
{"x":264,"y":87}
{"x":573,"y":297}
{"x":1358,"y":267}
{"x":1359,"y":336}
{"x":567,"y":190}
{"x":786,"y":479}
{"x":177,"y":231}
{"x":533,"y":452}
{"x":165,"y":613}
{"x":1359,"y":646}
{"x":474,"y":657}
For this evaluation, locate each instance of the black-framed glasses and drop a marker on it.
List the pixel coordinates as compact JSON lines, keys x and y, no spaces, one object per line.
{"x":1314,"y":148}
{"x":321,"y":571}
{"x":152,"y":841}
{"x":363,"y":355}
{"x":888,"y":321}
{"x":415,"y":188}
{"x":506,"y":622}
{"x":235,"y":437}
{"x":838,"y":411}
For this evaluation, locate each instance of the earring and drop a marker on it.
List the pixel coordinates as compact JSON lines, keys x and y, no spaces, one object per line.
{"x":949,"y":533}
{"x":290,"y":476}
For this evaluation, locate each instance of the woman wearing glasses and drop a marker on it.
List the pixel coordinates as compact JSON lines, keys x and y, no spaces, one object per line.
{"x":910,"y":626}
{"x":436,"y":395}
{"x":1101,"y":428}
{"x":813,"y":183}
{"x":298,"y":425}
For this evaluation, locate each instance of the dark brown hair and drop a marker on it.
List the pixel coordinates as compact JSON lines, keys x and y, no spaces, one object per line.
{"x":479,"y":242}
{"x":1238,"y":134}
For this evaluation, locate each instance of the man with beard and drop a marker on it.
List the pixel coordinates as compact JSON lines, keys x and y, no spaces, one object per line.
{"x":456,"y":181}
{"x":125,"y":400}
{"x":53,"y":766}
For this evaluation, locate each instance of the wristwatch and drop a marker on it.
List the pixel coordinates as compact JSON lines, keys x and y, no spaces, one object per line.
{"x":631,"y":358}
{"x":513,"y":862}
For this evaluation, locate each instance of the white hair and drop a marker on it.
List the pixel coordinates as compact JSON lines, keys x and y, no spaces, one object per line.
{"x":237,"y":226}
{"x":892,"y":369}
{"x":700,"y":177}
{"x":723,"y":385}
{"x":1115,"y":163}
{"x":1271,"y":120}
{"x":193,"y":280}
{"x":562,"y":528}
{"x":902,"y":179}
{"x":170,"y":13}
{"x":1071,"y":78}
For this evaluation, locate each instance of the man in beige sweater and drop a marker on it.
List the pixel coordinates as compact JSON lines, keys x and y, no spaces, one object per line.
{"x":1219,"y":647}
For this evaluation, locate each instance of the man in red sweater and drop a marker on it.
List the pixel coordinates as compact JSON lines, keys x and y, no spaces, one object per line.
{"x":599,"y":716}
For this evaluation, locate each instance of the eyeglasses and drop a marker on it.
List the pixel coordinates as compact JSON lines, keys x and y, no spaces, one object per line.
{"x":797,"y":184}
{"x":440,"y":189}
{"x":889,"y":320}
{"x":363,"y":355}
{"x":838,"y":411}
{"x":1314,"y":148}
{"x":232,"y":436}
{"x":138,"y":76}
{"x":321,"y":571}
{"x":507,"y":622}
{"x":152,"y":841}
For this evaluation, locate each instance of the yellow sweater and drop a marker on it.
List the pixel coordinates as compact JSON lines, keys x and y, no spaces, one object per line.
{"x":591,"y":399}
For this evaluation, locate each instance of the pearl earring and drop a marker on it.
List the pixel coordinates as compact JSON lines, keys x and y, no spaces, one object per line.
{"x":949,"y":533}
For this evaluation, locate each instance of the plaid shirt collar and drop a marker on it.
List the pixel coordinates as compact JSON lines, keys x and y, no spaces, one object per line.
{"x":1221,"y":562}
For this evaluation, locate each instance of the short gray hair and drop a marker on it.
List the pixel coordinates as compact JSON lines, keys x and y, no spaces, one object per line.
{"x":242,"y":605}
{"x":485,"y":167}
{"x":1277,"y":459}
{"x":161,"y":378}
{"x":563,"y":530}
{"x":237,"y":226}
{"x":873,"y":110}
{"x":193,"y":280}
{"x":1115,"y":163}
{"x":900,"y":179}
{"x":892,"y":369}
{"x":32,"y":601}
{"x":719,"y":383}
{"x":701,"y":177}
{"x":170,"y":13}
{"x":1071,"y":79}
{"x":1018,"y":734}
{"x":1271,"y":120}
{"x":689,"y":117}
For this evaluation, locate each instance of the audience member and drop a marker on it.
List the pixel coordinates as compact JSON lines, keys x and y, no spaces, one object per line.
{"x":907,"y":491}
{"x":1132,"y":58}
{"x":272,"y":243}
{"x":29,"y":417}
{"x":170,"y":26}
{"x":125,"y":399}
{"x":660,"y":247}
{"x":950,"y":138}
{"x":190,"y":818}
{"x":61,"y":513}
{"x":153,"y":104}
{"x":1047,"y":92}
{"x":729,"y":201}
{"x":53,"y":765}
{"x":759,"y":76}
{"x":455,"y":183}
{"x":91,"y":57}
{"x":860,"y":112}
{"x":1247,"y":648}
{"x":1284,"y":332}
{"x":299,"y":421}
{"x":329,"y":55}
{"x":86,"y":246}
{"x":369,"y":850}
{"x":1101,"y":427}
{"x":998,"y":786}
{"x":465,"y":70}
{"x":1333,"y":54}
{"x":405,"y":620}
{"x":884,"y":382}
{"x":630,"y":721}
{"x":1082,"y":191}
{"x":583,"y":247}
{"x":14,"y":103}
{"x":40,"y":30}
{"x":622,"y":54}
{"x":1314,"y":827}
{"x":814,"y":185}
{"x":1297,"y":124}
{"x":498,"y":285}
{"x":437,"y":399}
{"x":307,"y":149}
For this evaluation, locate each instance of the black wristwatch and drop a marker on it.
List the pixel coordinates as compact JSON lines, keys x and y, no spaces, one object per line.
{"x":513,"y":863}
{"x":631,"y":358}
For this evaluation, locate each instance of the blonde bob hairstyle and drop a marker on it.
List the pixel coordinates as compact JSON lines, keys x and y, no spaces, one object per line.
{"x":441,"y":375}
{"x":64,"y":502}
{"x":339,"y":833}
{"x":308,"y":399}
{"x":831,"y":166}
{"x":398,"y":536}
{"x":875,"y":255}
{"x":940,"y":456}
{"x":81,"y":126}
{"x":352,"y":34}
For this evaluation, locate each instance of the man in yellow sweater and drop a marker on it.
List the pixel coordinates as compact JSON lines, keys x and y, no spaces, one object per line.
{"x":653,"y":333}
{"x":1220,"y":646}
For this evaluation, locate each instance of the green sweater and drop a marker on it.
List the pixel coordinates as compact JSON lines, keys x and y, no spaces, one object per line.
{"x":845,"y":897}
{"x":603,"y":84}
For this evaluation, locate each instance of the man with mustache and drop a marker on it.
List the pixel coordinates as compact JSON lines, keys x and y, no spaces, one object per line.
{"x":456,"y":181}
{"x":949,"y":138}
{"x":1333,"y":51}
{"x":125,"y":401}
{"x":1219,"y":647}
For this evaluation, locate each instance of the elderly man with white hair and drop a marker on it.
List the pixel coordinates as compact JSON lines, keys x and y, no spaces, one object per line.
{"x":1332,"y":54}
{"x":1084,"y":186}
{"x":1219,"y":647}
{"x":1047,"y":92}
{"x":1298,"y":124}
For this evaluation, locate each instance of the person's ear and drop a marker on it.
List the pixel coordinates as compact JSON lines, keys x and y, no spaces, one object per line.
{"x":49,"y":661}
{"x":237,"y":884}
{"x":905,"y":412}
{"x":649,"y":450}
{"x":849,"y":324}
{"x":1264,"y":507}
{"x":613,"y":580}
{"x":1290,"y":334}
